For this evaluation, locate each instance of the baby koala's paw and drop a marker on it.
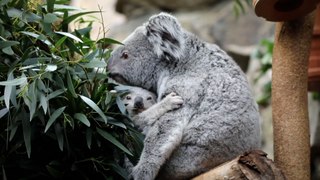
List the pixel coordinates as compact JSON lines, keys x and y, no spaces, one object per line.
{"x":173,"y":101}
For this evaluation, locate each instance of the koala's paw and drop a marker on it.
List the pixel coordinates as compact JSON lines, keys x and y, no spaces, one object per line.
{"x":142,"y":172}
{"x":173,"y":101}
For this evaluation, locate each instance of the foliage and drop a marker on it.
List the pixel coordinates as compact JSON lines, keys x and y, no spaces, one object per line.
{"x":239,"y":6}
{"x":59,"y":117}
{"x":264,"y":55}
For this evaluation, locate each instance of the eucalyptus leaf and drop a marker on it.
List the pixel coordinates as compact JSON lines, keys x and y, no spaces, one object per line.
{"x":51,"y":67}
{"x":59,"y":134}
{"x":70,"y":85}
{"x":82,"y":118}
{"x":55,"y":94}
{"x":69,"y":35}
{"x":50,"y":18}
{"x":4,"y":44}
{"x":32,"y":96}
{"x":89,"y":137}
{"x":94,"y":106}
{"x":43,"y":102}
{"x":8,"y":91}
{"x":67,"y":20}
{"x":27,"y":135}
{"x":95,"y":64}
{"x":41,"y":37}
{"x":14,"y":82}
{"x":54,"y":117}
{"x":121,"y":105}
{"x":3,"y":112}
{"x":113,"y":140}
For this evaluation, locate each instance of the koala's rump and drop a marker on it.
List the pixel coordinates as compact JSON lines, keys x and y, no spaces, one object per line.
{"x":222,"y":122}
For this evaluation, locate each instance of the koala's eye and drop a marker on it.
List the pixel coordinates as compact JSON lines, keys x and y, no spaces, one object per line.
{"x":124,"y":55}
{"x":128,"y":97}
{"x":149,"y":98}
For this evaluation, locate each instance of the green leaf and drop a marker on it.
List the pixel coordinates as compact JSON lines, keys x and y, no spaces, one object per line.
{"x":69,"y":35}
{"x":50,"y":18}
{"x":8,"y":50}
{"x":41,"y":37}
{"x":27,"y":135}
{"x":8,"y":91}
{"x":51,"y":67}
{"x":43,"y":102}
{"x":55,"y":94}
{"x":121,"y":105}
{"x":95,"y":64}
{"x":59,"y":134}
{"x":13,"y":131}
{"x":2,"y":3}
{"x":3,"y":112}
{"x":32,"y":97}
{"x":4,"y":44}
{"x":67,"y":20}
{"x":65,"y":7}
{"x":14,"y":82}
{"x":89,"y":137}
{"x":60,"y":41}
{"x":108,"y":41}
{"x":82,"y":118}
{"x":53,"y":117}
{"x":50,"y":5}
{"x":70,"y":85}
{"x":94,"y":106}
{"x":115,"y":122}
{"x":113,"y":140}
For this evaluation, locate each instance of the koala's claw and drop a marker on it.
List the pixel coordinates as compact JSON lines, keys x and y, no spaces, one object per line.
{"x":173,"y":101}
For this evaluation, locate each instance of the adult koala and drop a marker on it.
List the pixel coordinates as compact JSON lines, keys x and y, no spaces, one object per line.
{"x":219,"y":118}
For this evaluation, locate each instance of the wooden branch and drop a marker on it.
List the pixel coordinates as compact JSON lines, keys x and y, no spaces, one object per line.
{"x":253,"y":165}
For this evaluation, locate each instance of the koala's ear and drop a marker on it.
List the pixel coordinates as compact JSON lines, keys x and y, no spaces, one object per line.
{"x":166,"y":35}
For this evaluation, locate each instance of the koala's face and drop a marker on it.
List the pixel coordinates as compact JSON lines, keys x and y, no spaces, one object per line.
{"x":150,"y":50}
{"x":135,"y":62}
{"x":138,"y":100}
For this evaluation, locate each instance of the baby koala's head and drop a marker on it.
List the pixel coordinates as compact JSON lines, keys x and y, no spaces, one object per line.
{"x":138,"y":100}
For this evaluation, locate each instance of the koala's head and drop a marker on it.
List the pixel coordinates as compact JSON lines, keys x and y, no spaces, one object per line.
{"x":151,"y":49}
{"x":138,"y":100}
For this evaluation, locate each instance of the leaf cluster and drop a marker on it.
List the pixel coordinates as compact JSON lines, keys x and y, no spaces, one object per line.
{"x":264,"y":55}
{"x":59,"y":118}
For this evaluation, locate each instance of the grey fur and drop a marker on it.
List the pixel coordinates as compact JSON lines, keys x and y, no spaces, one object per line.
{"x":149,"y":112}
{"x":219,"y":118}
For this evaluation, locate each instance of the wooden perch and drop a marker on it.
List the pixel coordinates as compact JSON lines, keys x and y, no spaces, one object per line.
{"x":253,"y":165}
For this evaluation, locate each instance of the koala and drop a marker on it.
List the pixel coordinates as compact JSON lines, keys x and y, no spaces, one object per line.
{"x":219,"y":118}
{"x":144,"y":111}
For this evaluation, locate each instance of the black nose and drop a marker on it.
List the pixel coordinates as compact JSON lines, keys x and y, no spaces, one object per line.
{"x":138,"y":102}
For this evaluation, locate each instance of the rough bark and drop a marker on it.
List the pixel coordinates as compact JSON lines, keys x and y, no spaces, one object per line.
{"x":249,"y":166}
{"x":289,"y":97}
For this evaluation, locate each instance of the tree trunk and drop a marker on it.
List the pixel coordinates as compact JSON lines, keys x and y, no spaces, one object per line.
{"x":289,"y":97}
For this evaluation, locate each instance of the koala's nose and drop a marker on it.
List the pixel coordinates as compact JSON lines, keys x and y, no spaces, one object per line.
{"x":138,"y":102}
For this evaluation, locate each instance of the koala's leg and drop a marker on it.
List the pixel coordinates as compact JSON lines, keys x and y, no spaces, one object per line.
{"x":162,"y":139}
{"x":150,"y":115}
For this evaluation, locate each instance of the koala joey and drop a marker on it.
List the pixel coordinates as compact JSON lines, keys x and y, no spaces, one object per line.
{"x":144,"y":111}
{"x":219,"y":118}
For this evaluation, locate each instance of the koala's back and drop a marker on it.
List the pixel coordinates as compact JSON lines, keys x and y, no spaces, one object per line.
{"x":223,"y":118}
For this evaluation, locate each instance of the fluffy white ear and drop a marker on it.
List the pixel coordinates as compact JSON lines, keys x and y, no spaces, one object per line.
{"x":166,"y":35}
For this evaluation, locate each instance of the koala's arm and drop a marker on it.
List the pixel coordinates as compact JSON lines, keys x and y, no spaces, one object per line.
{"x":162,"y":139}
{"x":150,"y":115}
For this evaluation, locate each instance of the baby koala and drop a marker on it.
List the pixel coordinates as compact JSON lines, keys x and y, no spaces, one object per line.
{"x":143,"y":109}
